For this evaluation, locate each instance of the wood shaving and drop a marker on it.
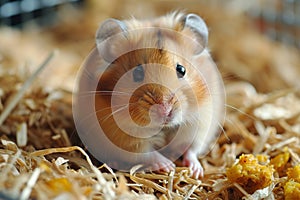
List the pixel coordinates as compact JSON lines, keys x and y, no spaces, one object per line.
{"x":41,"y":156}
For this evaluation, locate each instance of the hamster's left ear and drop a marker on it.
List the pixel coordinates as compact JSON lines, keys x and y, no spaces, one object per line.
{"x":108,"y":37}
{"x":198,"y":26}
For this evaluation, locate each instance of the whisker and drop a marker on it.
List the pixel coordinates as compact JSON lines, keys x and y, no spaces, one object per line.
{"x":107,"y":93}
{"x":214,"y":83}
{"x":116,"y":111}
{"x":233,"y":125}
{"x":224,"y":132}
{"x":113,"y":113}
{"x":240,"y":111}
{"x":114,"y":132}
{"x":92,"y":127}
{"x":108,"y":107}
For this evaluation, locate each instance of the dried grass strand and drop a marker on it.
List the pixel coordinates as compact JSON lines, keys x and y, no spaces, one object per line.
{"x":18,"y":96}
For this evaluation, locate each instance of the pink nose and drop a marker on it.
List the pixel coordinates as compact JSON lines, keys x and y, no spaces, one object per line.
{"x":164,"y":110}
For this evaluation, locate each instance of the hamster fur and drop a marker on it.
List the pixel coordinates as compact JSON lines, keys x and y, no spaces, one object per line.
{"x":158,"y":97}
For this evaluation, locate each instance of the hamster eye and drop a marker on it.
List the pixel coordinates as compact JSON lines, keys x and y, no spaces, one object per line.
{"x":138,"y":73}
{"x":180,"y":71}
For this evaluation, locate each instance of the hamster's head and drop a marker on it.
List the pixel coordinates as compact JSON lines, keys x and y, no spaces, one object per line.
{"x":152,"y":78}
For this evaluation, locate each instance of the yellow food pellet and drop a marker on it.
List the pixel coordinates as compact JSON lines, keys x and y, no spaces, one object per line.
{"x":59,"y":185}
{"x":88,"y":191}
{"x":262,"y":159}
{"x":250,"y":174}
{"x":291,"y":190}
{"x":294,"y":173}
{"x":279,"y":162}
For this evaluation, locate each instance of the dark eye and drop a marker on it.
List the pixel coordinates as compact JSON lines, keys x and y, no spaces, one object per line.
{"x":138,"y":73}
{"x":180,"y":70}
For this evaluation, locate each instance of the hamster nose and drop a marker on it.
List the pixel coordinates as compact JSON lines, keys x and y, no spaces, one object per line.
{"x":164,"y":110}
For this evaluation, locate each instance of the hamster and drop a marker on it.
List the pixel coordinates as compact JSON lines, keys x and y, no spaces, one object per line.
{"x":149,"y":93}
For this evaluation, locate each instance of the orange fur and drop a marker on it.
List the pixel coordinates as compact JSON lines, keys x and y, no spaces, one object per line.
{"x":123,"y":106}
{"x":140,"y":98}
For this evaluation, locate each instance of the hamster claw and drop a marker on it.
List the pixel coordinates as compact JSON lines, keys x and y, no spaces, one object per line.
{"x":164,"y":167}
{"x":161,"y":163}
{"x":190,"y":160}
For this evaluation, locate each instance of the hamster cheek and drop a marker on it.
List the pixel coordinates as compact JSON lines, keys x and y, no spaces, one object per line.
{"x":178,"y":116}
{"x":181,"y":109}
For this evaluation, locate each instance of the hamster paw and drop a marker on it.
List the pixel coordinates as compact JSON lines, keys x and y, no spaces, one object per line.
{"x":161,"y":163}
{"x":190,"y":160}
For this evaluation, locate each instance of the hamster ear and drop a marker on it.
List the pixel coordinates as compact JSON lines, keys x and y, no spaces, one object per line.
{"x":198,"y":26}
{"x":106,"y":38}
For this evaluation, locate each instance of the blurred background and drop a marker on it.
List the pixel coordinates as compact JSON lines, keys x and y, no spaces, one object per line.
{"x":279,"y":19}
{"x":254,"y":41}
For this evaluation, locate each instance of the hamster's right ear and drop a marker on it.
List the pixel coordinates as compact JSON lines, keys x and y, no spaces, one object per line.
{"x":110,"y":31}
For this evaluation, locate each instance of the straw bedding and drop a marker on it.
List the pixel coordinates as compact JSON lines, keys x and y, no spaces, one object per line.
{"x":255,"y":157}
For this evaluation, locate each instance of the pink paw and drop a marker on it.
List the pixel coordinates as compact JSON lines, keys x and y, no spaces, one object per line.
{"x":190,"y":160}
{"x":161,"y":163}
